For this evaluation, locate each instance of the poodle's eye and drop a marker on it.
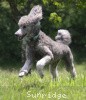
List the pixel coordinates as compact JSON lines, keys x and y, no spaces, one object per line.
{"x":24,"y":27}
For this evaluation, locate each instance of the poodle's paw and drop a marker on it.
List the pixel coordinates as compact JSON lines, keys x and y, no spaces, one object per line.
{"x":23,"y":73}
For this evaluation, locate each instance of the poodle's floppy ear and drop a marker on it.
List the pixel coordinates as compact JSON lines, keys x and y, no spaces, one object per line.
{"x":35,"y":14}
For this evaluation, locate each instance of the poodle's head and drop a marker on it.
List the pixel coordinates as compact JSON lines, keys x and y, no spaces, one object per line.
{"x":63,"y":36}
{"x":29,"y":22}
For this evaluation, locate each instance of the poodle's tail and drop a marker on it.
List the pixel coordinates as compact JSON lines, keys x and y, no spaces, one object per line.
{"x":63,"y":36}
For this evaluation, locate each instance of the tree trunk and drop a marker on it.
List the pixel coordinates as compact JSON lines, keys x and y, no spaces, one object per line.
{"x":14,"y":10}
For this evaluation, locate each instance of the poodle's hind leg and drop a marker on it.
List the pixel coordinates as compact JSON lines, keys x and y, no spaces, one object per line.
{"x":41,"y":63}
{"x":54,"y":71}
{"x":70,"y":64}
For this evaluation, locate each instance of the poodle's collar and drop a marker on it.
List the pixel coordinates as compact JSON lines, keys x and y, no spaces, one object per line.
{"x":34,"y":38}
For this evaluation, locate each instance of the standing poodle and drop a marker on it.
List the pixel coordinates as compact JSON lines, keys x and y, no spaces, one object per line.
{"x":41,"y":48}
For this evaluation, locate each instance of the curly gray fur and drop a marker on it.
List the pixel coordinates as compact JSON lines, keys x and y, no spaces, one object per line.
{"x":40,"y":48}
{"x":34,"y":16}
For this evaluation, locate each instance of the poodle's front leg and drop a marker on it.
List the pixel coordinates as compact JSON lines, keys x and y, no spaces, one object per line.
{"x":41,"y":63}
{"x":28,"y":63}
{"x":26,"y":68}
{"x":45,"y":50}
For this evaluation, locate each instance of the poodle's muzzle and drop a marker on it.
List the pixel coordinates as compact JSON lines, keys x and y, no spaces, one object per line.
{"x":20,"y":34}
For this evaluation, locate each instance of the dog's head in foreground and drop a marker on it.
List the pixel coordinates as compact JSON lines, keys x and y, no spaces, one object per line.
{"x":37,"y":42}
{"x":28,"y":22}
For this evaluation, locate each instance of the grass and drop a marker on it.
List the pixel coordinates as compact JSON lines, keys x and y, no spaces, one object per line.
{"x":32,"y":87}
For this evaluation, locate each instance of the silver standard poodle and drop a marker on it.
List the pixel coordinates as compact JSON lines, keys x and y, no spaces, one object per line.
{"x":40,"y":48}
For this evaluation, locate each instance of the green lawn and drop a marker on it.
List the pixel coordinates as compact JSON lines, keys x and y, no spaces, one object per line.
{"x":34,"y":88}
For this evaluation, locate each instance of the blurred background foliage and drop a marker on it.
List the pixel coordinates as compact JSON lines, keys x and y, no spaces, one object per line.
{"x":57,"y":14}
